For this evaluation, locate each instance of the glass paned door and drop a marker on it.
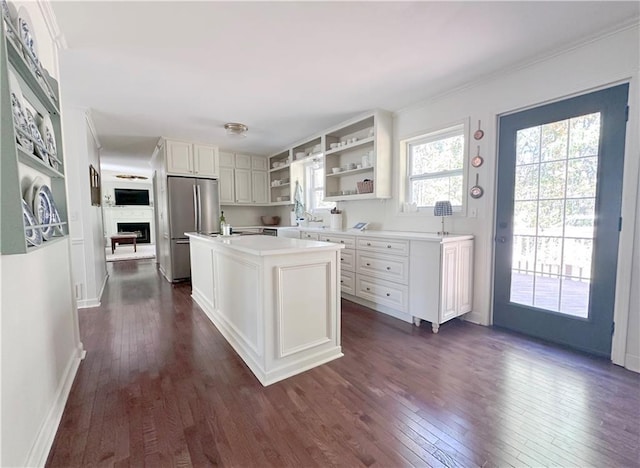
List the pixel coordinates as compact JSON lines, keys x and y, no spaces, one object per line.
{"x":557,"y":219}
{"x":554,"y":212}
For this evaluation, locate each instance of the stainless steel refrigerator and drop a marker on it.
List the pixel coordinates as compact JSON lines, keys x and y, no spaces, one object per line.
{"x":194,"y":206}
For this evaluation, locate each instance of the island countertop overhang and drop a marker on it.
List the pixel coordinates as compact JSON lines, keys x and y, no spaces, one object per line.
{"x":266,"y":245}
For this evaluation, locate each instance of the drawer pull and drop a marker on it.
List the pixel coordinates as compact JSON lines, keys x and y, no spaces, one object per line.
{"x":388,"y":294}
{"x":368,"y":289}
{"x":342,"y":242}
{"x":342,"y":281}
{"x":369,"y":244}
{"x":368,"y":264}
{"x":327,"y":240}
{"x":388,"y":268}
{"x":388,"y":246}
{"x":341,"y":259}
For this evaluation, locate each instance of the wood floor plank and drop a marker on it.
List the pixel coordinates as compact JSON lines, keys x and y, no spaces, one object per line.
{"x":161,"y":387}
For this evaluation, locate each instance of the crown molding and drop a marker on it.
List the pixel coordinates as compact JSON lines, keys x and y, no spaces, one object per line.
{"x":52,"y":24}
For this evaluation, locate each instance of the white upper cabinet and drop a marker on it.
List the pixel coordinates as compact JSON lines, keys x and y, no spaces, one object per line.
{"x":179,"y":157}
{"x":204,"y":160}
{"x":184,"y":158}
{"x":258,"y":163}
{"x":243,"y":179}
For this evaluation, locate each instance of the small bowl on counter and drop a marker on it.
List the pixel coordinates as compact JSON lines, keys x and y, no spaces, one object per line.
{"x":270,"y":220}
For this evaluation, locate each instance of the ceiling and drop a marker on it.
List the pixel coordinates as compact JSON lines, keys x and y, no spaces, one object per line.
{"x":290,"y":69}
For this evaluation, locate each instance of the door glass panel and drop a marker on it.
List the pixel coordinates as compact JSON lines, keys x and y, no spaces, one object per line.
{"x":554,"y":210}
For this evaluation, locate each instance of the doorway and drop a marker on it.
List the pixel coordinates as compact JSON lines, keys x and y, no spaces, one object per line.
{"x":560,"y":170}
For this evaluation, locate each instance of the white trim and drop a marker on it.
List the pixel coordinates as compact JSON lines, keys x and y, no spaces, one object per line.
{"x":96,"y":301}
{"x":629,"y":213}
{"x":632,"y":363}
{"x":88,"y":115}
{"x":44,"y":440}
{"x":52,"y":24}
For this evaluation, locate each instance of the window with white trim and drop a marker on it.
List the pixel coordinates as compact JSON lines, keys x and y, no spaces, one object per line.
{"x":314,"y":186}
{"x":435,"y":168}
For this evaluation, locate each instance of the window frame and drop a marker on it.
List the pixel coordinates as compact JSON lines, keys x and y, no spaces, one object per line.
{"x":309,"y":187}
{"x":460,"y":127}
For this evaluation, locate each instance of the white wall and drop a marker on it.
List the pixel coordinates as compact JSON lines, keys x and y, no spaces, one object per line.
{"x":39,"y":340}
{"x":85,"y":221}
{"x":606,"y":61}
{"x":250,"y":215}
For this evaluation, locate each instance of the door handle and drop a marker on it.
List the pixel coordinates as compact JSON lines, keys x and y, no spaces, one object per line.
{"x":195,"y":209}
{"x":501,"y":240}
{"x":199,"y":208}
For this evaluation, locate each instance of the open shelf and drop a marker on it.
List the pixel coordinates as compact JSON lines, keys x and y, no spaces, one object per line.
{"x":351,"y":171}
{"x":351,"y":146}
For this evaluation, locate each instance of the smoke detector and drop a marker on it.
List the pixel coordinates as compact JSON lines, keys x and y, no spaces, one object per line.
{"x":236,"y":130}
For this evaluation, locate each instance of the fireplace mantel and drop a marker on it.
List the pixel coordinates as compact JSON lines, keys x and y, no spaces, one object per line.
{"x":127,"y":214}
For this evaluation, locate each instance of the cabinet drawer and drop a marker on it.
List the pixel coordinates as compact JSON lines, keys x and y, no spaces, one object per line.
{"x":348,"y":242}
{"x":347,"y":281}
{"x":389,"y":267}
{"x":347,"y":260}
{"x":382,"y":292}
{"x":396,"y":247}
{"x":308,"y":235}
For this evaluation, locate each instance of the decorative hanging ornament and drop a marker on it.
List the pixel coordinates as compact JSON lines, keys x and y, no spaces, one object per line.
{"x":477,"y":159}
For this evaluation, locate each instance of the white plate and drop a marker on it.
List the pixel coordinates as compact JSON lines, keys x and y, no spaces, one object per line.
{"x":26,"y":32}
{"x":33,"y":235}
{"x":35,"y":133}
{"x":46,"y":131}
{"x":17,"y":104}
{"x":43,"y":209}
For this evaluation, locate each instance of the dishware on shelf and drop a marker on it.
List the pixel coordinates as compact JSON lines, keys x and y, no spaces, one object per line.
{"x":336,"y":170}
{"x":35,"y":133}
{"x":366,"y":162}
{"x":270,"y":220}
{"x":334,"y":145}
{"x":27,"y":37}
{"x":43,"y":209}
{"x":359,"y":166}
{"x":371,"y":132}
{"x":300,"y":154}
{"x":31,"y":234}
{"x":19,"y":118}
{"x":351,"y":166}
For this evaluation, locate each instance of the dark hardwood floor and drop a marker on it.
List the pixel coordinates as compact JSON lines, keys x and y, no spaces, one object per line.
{"x":161,"y":387}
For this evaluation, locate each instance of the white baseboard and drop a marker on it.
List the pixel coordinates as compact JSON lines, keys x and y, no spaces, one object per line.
{"x":96,"y":301}
{"x":379,"y":308}
{"x":44,"y":440}
{"x":632,"y":363}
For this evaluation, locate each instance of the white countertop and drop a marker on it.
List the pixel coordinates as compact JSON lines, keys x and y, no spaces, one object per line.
{"x":266,"y":245}
{"x":430,"y":236}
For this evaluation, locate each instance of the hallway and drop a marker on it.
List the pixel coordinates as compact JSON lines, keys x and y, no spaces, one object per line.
{"x":161,"y":387}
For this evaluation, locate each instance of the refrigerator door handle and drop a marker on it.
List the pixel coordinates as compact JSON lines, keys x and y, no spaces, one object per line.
{"x":199,"y":209}
{"x":182,"y":241}
{"x":196,"y":213}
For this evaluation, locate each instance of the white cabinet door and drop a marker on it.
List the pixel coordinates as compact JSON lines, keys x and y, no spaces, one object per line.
{"x":259,"y":187}
{"x":243,"y":186}
{"x":204,"y":160}
{"x":258,"y":163}
{"x":226,"y":159}
{"x":465,"y":277}
{"x":243,"y":161}
{"x":179,"y":157}
{"x":226,"y":184}
{"x":449,"y":291}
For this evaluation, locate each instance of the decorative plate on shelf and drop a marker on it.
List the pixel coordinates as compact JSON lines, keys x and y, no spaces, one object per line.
{"x":17,"y":106}
{"x":43,"y":209}
{"x":26,"y":33}
{"x":32,"y":234}
{"x":7,"y":14}
{"x":35,"y":133}
{"x":46,"y":131}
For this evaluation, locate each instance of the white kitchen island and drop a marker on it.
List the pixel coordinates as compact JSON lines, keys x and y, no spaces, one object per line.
{"x":276,"y":300}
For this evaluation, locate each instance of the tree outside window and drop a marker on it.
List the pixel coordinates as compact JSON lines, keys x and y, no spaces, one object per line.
{"x":435,"y":166}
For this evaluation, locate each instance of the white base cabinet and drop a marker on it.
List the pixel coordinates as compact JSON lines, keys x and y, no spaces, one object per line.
{"x":409,"y":276}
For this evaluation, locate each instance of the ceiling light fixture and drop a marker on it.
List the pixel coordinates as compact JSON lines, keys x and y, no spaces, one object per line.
{"x":131,"y":177}
{"x":236,"y":130}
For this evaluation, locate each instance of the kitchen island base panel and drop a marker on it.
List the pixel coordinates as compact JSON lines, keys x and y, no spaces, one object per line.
{"x":279,"y":312}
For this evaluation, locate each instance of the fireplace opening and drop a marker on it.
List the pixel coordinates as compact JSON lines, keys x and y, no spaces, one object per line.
{"x":143,"y":230}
